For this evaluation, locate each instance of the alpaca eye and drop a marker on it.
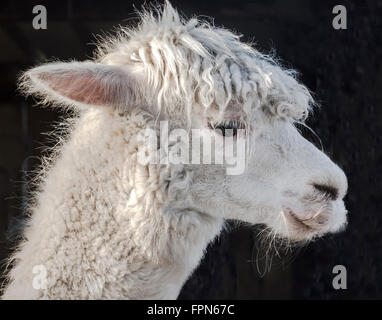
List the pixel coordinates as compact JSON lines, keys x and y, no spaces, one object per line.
{"x":227,"y":128}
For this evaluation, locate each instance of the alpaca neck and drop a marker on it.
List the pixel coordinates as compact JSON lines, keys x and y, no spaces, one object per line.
{"x":162,"y":270}
{"x":97,"y":234}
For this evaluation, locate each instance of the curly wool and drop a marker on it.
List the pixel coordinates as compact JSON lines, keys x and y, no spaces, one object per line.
{"x":188,"y":63}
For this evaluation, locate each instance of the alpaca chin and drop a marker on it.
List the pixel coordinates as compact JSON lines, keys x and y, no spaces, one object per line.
{"x":308,"y":224}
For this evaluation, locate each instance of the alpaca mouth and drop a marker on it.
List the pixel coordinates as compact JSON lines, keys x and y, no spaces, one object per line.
{"x":300,"y":223}
{"x":307,"y":225}
{"x":313,"y":222}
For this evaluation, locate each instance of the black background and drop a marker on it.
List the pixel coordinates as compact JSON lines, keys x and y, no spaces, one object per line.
{"x":342,"y":67}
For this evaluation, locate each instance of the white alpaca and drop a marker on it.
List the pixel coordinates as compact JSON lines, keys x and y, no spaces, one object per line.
{"x":105,"y":226}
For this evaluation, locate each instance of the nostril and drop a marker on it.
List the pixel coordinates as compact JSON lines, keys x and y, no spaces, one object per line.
{"x":327,"y":190}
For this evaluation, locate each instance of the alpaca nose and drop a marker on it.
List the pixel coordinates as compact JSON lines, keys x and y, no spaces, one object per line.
{"x":329,"y":191}
{"x":333,"y":184}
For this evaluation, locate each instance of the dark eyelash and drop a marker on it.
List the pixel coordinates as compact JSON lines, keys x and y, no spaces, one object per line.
{"x":232,"y":125}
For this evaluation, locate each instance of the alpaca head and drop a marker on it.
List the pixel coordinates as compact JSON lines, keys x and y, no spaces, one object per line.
{"x":197,"y":76}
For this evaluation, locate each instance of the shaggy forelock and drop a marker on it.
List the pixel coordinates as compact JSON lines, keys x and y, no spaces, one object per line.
{"x":191,"y":62}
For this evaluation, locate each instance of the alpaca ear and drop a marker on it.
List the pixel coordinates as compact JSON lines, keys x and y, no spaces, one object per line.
{"x":80,"y":84}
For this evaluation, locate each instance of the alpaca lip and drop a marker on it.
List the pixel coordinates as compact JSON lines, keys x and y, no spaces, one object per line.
{"x":292,"y":217}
